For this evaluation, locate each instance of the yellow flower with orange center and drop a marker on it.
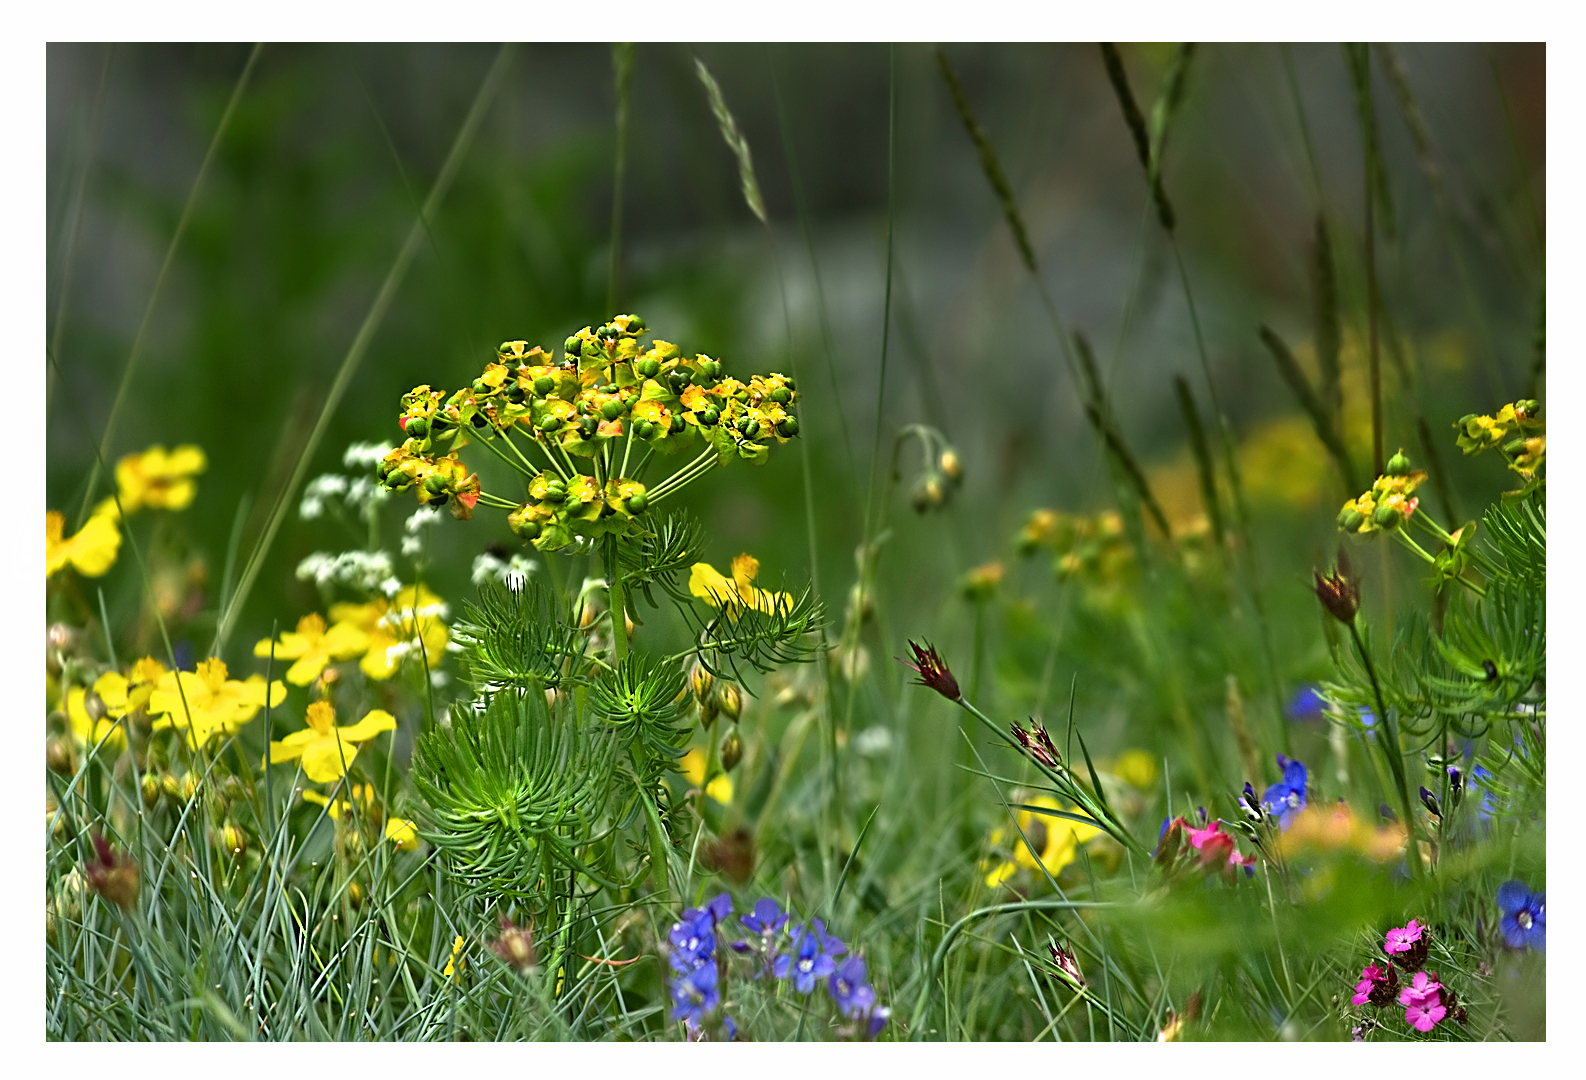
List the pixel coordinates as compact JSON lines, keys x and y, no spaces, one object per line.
{"x":327,"y":750}
{"x":737,"y":593}
{"x":91,"y":552}
{"x":314,"y":646}
{"x":205,"y":703}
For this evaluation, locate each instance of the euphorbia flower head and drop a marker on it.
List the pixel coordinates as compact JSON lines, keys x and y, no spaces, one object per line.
{"x":933,"y":671}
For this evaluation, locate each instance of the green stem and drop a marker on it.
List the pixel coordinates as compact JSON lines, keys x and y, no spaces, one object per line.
{"x":619,"y":625}
{"x":1391,"y":751}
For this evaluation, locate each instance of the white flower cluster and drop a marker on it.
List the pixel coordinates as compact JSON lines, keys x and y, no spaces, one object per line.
{"x":511,"y":572}
{"x":318,"y":490}
{"x":360,"y":494}
{"x":370,"y":571}
{"x":423,"y":517}
{"x":364,"y":455}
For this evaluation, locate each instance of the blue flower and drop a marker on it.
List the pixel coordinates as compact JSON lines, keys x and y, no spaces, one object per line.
{"x":1524,"y":922}
{"x":878,"y":1020}
{"x":720,"y":907}
{"x":832,"y":945}
{"x":1486,"y":806}
{"x":767,"y":918}
{"x":806,"y":962}
{"x":1286,"y":798}
{"x":732,"y":1028}
{"x":693,"y":939}
{"x":695,"y":994}
{"x":848,"y":988}
{"x":1306,"y":704}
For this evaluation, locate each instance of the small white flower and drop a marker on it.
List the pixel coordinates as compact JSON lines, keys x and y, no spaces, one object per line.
{"x":364,"y":455}
{"x":365,"y":570}
{"x":423,"y":516}
{"x":439,"y":679}
{"x":873,"y":740}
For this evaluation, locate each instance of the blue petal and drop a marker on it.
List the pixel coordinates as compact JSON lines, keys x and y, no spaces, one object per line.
{"x":1512,"y":896}
{"x":1294,"y":776}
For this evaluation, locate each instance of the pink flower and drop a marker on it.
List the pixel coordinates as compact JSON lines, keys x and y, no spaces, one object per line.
{"x":1403,"y":939}
{"x":1423,"y":1002}
{"x":1370,"y":976}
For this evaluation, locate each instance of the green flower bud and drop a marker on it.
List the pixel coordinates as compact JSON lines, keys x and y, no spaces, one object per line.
{"x":788,"y":427}
{"x":749,"y":427}
{"x":609,"y":331}
{"x":781,"y":395}
{"x":679,"y":378}
{"x":417,"y":427}
{"x":787,"y":381}
{"x":643,"y":429}
{"x":544,"y":385}
{"x":611,"y":409}
{"x":434,"y":483}
{"x":589,"y":425}
{"x":1385,"y":517}
{"x":549,"y":424}
{"x":515,"y":393}
{"x":709,"y":415}
{"x":1350,"y":519}
{"x":1399,"y":465}
{"x":572,"y":346}
{"x":555,"y":491}
{"x":528,"y":530}
{"x":636,"y":325}
{"x":731,"y":750}
{"x":637,"y":502}
{"x":481,"y":387}
{"x":648,"y":368}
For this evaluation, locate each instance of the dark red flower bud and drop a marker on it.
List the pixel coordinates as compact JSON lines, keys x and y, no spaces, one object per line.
{"x":112,"y":875}
{"x":1339,"y":591}
{"x":933,"y":672}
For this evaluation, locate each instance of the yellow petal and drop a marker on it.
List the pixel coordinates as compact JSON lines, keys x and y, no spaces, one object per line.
{"x":307,"y":669}
{"x":344,"y":641}
{"x":94,"y":549}
{"x":54,"y":549}
{"x":321,"y":718}
{"x":403,"y":833}
{"x":112,"y":690}
{"x":745,"y":568}
{"x":711,"y":587}
{"x":325,"y":760}
{"x":1001,"y":874}
{"x":720,"y":789}
{"x":374,"y":722}
{"x":693,"y":767}
{"x":186,"y":460}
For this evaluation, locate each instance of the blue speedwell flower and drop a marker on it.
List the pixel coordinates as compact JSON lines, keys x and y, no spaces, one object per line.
{"x":806,"y":963}
{"x":1306,"y":704}
{"x":1524,"y":921}
{"x":1480,"y":781}
{"x":693,"y":939}
{"x":766,"y":919}
{"x":695,"y":994}
{"x":849,"y":989}
{"x":1286,"y":798}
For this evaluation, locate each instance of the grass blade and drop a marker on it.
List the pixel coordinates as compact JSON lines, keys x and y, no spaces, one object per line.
{"x":1289,"y":368}
{"x":1203,"y":455}
{"x":989,"y":162}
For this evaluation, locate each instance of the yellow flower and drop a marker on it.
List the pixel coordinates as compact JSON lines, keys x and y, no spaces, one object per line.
{"x":693,"y":769}
{"x":205,"y":703}
{"x":159,"y":480}
{"x":362,"y":794}
{"x":327,"y":750}
{"x":91,"y":552}
{"x":313,"y":647}
{"x":1055,"y":838}
{"x":413,"y":619}
{"x":121,"y":694}
{"x":1335,"y":827}
{"x":89,"y":731}
{"x":403,"y":833}
{"x":1136,"y":768}
{"x":456,"y":964}
{"x":736,"y":593}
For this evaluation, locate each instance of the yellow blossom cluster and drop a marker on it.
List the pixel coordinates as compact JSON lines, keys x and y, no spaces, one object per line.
{"x":1516,"y":431}
{"x":1388,"y":504}
{"x":607,"y":392}
{"x":375,"y":631}
{"x":1092,"y":549}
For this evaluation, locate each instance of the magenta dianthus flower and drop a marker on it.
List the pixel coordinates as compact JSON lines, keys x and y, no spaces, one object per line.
{"x":1402,"y":939}
{"x":1376,"y":985}
{"x":1423,"y":1002}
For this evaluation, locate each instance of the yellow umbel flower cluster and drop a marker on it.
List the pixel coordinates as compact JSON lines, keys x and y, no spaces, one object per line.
{"x":1093,"y":549}
{"x":1388,"y":504}
{"x":607,"y":394}
{"x":1517,"y":432}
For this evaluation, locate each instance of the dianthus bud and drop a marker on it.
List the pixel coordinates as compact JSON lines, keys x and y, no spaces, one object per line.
{"x":1339,"y":592}
{"x":112,"y":875}
{"x":731,"y":750}
{"x":515,"y":946}
{"x":933,"y":671}
{"x":700,"y":681}
{"x":1067,"y":964}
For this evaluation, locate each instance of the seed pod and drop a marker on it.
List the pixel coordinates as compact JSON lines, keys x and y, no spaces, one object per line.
{"x":637,"y":502}
{"x":1399,"y":465}
{"x":728,"y":699}
{"x":589,"y":425}
{"x":550,"y":424}
{"x":1350,"y":519}
{"x":678,"y":423}
{"x":544,"y":385}
{"x":417,"y":427}
{"x":555,"y":491}
{"x":649,"y":367}
{"x":1385,"y":517}
{"x":750,"y":429}
{"x":731,"y":750}
{"x":572,"y":346}
{"x":611,"y":409}
{"x":781,"y":395}
{"x":709,"y":415}
{"x":788,"y":427}
{"x":643,"y":429}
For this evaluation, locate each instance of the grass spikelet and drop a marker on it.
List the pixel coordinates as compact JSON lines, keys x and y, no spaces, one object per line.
{"x":734,"y":140}
{"x":1324,"y":307}
{"x":1203,"y":455}
{"x":1289,"y":368}
{"x":989,"y":162}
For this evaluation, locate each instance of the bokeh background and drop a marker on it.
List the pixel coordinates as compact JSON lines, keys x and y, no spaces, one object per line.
{"x":331,"y":149}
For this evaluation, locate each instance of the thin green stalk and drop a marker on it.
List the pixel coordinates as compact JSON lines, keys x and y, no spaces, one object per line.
{"x":1391,"y":751}
{"x":136,"y":354}
{"x":365,"y":336}
{"x":622,"y":66}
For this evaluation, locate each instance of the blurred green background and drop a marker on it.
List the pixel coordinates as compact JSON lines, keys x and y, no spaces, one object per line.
{"x":331,"y":149}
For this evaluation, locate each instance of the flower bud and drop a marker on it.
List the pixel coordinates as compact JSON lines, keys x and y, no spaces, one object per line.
{"x":611,"y":409}
{"x":550,"y":424}
{"x":515,"y":947}
{"x":572,"y":346}
{"x":1429,"y":801}
{"x":417,"y":427}
{"x":951,"y":465}
{"x":232,"y":839}
{"x":544,"y":385}
{"x":709,"y":415}
{"x":171,"y":785}
{"x":781,"y":395}
{"x":637,"y":502}
{"x":731,"y":750}
{"x":700,"y":681}
{"x":648,"y":368}
{"x":189,"y":785}
{"x":1385,"y":517}
{"x":151,"y":789}
{"x":788,"y":427}
{"x":729,"y":699}
{"x":1399,"y":465}
{"x":112,"y":875}
{"x":588,"y":426}
{"x":1350,"y":519}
